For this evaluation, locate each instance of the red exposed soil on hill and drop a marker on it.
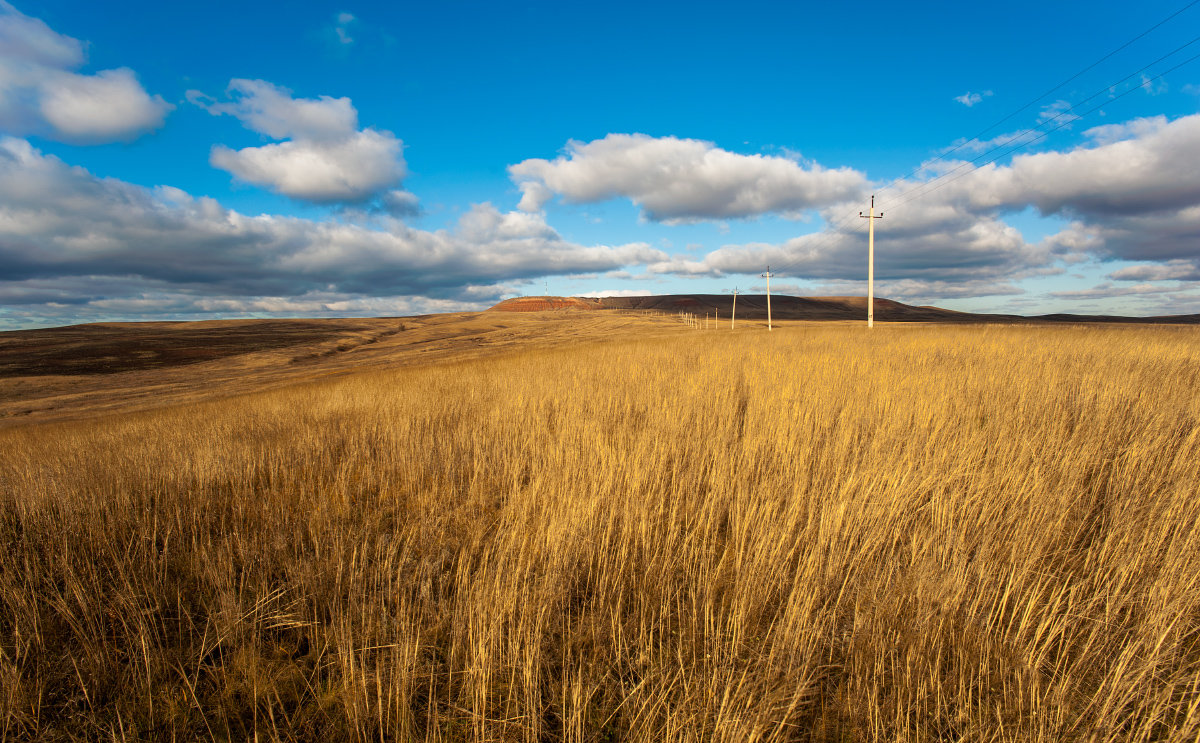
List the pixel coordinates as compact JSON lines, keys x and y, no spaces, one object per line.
{"x":543,"y":304}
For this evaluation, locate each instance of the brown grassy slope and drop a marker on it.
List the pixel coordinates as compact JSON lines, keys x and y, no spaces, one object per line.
{"x":112,"y":348}
{"x":918,"y":534}
{"x":85,"y":370}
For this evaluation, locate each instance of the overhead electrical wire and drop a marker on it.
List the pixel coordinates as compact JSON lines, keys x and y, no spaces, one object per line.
{"x":1043,"y":135}
{"x":1039,"y":97}
{"x":834,"y":230}
{"x":927,"y":187}
{"x":1068,"y":111}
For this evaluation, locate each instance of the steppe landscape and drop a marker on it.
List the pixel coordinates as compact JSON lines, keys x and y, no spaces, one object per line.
{"x":600,"y":526}
{"x":623,"y":372}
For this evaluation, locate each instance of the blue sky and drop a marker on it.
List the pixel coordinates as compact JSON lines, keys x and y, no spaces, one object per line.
{"x":184,"y":161}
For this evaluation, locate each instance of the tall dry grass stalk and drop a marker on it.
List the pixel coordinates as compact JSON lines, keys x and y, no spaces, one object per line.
{"x":918,"y":534}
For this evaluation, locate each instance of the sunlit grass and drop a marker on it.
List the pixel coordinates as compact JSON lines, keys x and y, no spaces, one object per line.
{"x":920,"y":533}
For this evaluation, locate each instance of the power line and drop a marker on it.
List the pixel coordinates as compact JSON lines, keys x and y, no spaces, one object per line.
{"x":1041,"y":136}
{"x":1090,"y":67}
{"x":1061,"y":114}
{"x":834,"y":229}
{"x":1034,"y":100}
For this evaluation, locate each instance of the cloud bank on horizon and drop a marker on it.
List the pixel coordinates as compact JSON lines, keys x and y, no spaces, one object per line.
{"x":76,"y":245}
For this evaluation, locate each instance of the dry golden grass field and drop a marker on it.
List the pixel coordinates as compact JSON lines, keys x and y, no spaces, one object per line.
{"x":611,"y":528}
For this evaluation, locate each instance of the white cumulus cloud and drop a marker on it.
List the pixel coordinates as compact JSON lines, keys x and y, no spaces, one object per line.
{"x":681,"y":180}
{"x":271,"y":110}
{"x":348,"y":170}
{"x":40,"y":93}
{"x":1140,"y":167}
{"x":1109,"y":133}
{"x":324,"y":158}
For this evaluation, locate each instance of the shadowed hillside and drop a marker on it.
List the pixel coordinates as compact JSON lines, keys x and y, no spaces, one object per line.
{"x":85,"y":370}
{"x":784,"y":307}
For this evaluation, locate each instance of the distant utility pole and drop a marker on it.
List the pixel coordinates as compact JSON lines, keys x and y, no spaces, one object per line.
{"x":870,"y":261}
{"x":733,"y":315}
{"x":768,"y":276}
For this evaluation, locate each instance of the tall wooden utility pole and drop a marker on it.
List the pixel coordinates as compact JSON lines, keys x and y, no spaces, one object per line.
{"x":733,"y":315}
{"x":768,"y":276}
{"x":870,"y":261}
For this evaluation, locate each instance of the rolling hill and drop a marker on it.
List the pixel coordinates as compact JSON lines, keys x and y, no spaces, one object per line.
{"x":784,"y":307}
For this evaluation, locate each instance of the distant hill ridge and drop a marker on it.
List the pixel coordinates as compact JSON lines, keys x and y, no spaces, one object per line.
{"x":785,"y":307}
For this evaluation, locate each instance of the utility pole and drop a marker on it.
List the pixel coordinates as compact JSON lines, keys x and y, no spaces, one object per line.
{"x":870,"y":261}
{"x":733,"y":315}
{"x":768,"y":276}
